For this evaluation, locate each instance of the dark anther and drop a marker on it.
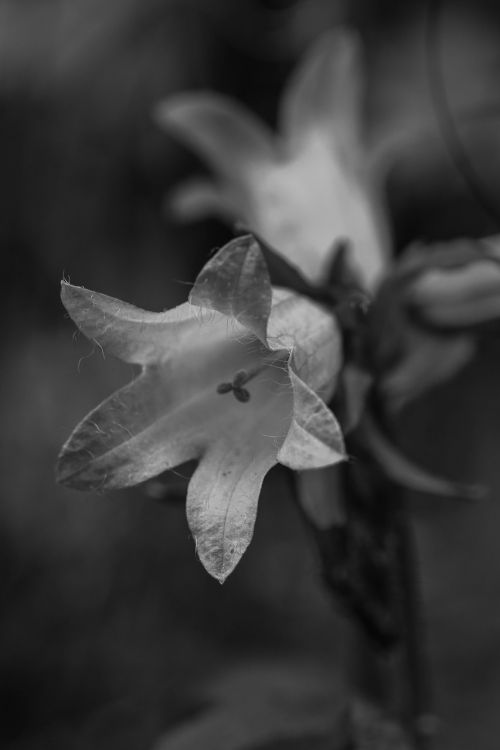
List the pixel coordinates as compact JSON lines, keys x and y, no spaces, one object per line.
{"x":236,"y":387}
{"x":241,"y":394}
{"x":240,"y":378}
{"x":224,"y":387}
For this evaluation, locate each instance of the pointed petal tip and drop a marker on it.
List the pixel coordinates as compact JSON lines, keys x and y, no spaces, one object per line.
{"x":336,"y":45}
{"x":70,"y":473}
{"x":219,"y":570}
{"x":66,"y":288}
{"x":183,"y":108}
{"x":166,"y":112}
{"x":346,"y":35}
{"x":71,"y":294}
{"x":235,"y":282}
{"x":64,"y":475}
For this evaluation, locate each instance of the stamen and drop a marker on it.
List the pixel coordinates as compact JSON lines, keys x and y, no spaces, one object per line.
{"x":241,"y":378}
{"x":224,"y":387}
{"x":241,"y":394}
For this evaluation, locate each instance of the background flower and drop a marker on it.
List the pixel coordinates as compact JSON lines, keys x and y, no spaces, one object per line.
{"x":301,"y":189}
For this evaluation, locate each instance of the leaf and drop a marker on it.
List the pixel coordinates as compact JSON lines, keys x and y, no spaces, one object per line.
{"x":429,"y":361}
{"x":401,"y":470}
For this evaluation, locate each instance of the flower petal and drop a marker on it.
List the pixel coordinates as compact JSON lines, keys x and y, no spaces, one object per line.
{"x":314,"y":439}
{"x":312,"y":334}
{"x":132,"y":436}
{"x":126,"y":331}
{"x":233,"y":141}
{"x":166,"y":416}
{"x":198,"y":199}
{"x":459,"y":297}
{"x":325,"y":91}
{"x":224,"y":490}
{"x":236,"y":283}
{"x":222,"y":505}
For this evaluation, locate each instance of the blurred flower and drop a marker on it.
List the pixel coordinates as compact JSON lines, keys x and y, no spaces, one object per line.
{"x":461,"y":291}
{"x":424,"y":322}
{"x":302,"y":189}
{"x":230,"y":378}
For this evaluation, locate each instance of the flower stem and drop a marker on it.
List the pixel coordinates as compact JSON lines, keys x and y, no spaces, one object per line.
{"x":415,"y":669}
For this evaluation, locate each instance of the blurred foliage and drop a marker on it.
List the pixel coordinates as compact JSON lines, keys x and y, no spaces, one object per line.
{"x":101,"y":646}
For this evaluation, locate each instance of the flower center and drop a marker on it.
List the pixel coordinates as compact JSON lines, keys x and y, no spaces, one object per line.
{"x":241,"y":378}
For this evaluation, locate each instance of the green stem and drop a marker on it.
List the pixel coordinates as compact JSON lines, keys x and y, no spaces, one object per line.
{"x":415,"y":668}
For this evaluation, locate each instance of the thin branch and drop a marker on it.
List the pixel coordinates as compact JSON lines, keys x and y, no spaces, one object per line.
{"x":446,"y":122}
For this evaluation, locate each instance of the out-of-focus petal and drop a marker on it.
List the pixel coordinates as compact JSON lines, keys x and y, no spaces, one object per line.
{"x":325,"y":92}
{"x":459,"y":297}
{"x":306,"y":187}
{"x":233,"y":141}
{"x":198,"y":199}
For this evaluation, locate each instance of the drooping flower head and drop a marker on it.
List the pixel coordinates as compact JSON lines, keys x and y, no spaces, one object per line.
{"x":301,"y":189}
{"x":231,"y":378}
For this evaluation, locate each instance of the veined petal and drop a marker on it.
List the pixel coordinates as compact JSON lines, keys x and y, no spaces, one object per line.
{"x":313,"y":337}
{"x":236,"y":282}
{"x":233,"y":141}
{"x":126,"y":331}
{"x":166,"y":416}
{"x":325,"y":91}
{"x":224,"y":490}
{"x":134,"y":435}
{"x":201,"y":367}
{"x":314,"y":439}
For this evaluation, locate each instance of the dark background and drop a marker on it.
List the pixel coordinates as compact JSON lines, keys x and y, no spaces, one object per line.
{"x":109,"y":626}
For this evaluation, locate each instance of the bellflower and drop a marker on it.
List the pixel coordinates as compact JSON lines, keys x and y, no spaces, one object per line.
{"x":233,"y":378}
{"x":303,"y":188}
